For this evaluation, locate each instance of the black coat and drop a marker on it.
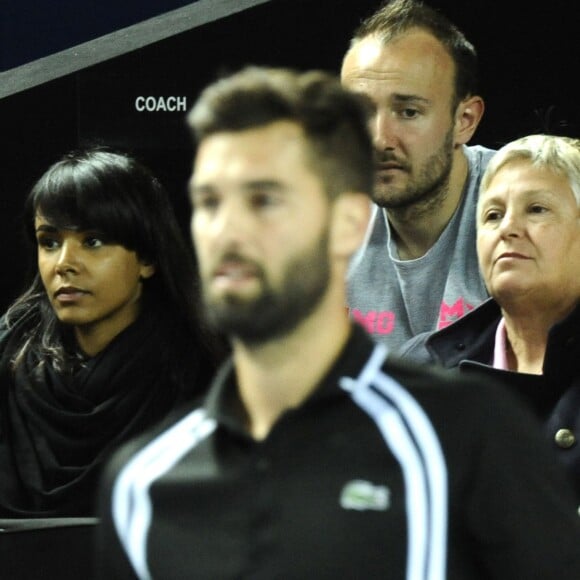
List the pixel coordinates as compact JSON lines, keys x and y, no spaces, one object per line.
{"x":554,"y":396}
{"x":335,"y":490}
{"x":57,"y":428}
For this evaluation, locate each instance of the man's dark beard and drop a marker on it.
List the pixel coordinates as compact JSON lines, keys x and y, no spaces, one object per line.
{"x":274,"y":313}
{"x":430,"y":186}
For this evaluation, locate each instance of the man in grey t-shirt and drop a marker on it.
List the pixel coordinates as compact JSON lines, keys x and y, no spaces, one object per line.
{"x":417,"y":270}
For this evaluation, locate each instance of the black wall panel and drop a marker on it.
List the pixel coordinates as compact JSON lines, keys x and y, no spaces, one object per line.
{"x":138,"y":101}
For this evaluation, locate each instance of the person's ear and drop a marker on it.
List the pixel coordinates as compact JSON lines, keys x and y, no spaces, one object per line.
{"x":147,"y":270}
{"x":350,"y":218}
{"x":467,"y":117}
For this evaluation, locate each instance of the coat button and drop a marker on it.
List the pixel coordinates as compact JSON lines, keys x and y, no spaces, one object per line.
{"x":564,"y":438}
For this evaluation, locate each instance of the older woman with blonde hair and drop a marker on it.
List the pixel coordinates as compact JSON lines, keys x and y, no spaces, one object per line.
{"x":527,"y":335}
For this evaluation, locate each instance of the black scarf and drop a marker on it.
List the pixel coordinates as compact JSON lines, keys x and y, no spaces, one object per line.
{"x":56,"y":430}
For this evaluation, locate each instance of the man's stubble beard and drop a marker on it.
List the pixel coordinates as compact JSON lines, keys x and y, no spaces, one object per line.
{"x":274,"y":313}
{"x":425,"y":192}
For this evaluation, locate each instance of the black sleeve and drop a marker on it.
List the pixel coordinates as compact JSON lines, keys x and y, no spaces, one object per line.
{"x":111,"y":561}
{"x":110,"y":558}
{"x":521,"y":510}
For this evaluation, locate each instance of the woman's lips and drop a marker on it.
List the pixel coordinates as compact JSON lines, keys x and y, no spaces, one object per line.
{"x":69,"y":294}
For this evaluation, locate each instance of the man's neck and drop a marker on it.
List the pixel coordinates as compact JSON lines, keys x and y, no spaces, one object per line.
{"x":280,"y":375}
{"x":416,"y":228}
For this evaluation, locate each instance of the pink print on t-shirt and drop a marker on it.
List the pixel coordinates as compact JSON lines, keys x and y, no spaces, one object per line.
{"x":449,"y":314}
{"x":375,"y":322}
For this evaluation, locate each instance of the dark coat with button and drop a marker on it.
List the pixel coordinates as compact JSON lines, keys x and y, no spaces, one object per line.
{"x":469,"y":343}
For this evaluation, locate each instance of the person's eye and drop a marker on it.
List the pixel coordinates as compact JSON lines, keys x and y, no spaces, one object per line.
{"x":94,"y":241}
{"x":264,"y":199}
{"x":47,"y":242}
{"x":536,"y":208}
{"x":205,"y":201}
{"x":492,"y":215}
{"x":409,"y":113}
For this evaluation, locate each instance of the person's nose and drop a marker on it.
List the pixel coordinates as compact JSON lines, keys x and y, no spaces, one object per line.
{"x":383,"y":131}
{"x":511,"y":225}
{"x":67,"y":259}
{"x":232,"y":224}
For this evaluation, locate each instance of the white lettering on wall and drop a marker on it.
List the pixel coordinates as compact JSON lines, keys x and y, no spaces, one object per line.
{"x":156,"y":104}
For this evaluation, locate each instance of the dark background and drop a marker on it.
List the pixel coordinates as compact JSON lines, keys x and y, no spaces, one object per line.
{"x":529,"y":58}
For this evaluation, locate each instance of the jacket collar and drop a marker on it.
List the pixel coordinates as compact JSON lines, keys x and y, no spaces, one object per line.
{"x":471,"y":337}
{"x":223,"y":402}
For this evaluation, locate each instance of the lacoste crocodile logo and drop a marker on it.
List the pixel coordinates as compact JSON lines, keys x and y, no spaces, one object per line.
{"x":361,"y":495}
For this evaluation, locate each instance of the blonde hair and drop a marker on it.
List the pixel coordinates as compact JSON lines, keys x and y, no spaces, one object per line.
{"x":560,"y":155}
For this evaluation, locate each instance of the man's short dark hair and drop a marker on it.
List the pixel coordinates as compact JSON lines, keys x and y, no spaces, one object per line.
{"x":334,"y":120}
{"x":395,"y":17}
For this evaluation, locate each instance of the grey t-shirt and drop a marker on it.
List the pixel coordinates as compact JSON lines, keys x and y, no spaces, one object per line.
{"x":397,"y":299}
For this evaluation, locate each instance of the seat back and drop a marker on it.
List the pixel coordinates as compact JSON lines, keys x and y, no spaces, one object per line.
{"x":47,"y":548}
